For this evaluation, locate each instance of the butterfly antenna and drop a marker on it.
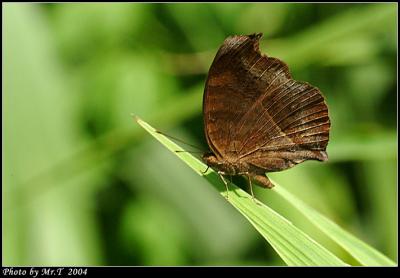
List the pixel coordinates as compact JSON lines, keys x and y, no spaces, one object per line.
{"x":200,"y":150}
{"x":189,"y":152}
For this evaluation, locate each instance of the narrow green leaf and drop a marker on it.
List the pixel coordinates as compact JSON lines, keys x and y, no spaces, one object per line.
{"x":361,"y":251}
{"x":293,"y":246}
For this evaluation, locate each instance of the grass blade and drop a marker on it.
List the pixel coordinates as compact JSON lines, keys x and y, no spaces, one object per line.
{"x":361,"y":251}
{"x":294,"y":246}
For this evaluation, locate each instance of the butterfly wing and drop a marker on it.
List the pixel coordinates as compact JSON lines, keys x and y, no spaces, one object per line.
{"x":255,"y":112}
{"x":229,"y":92}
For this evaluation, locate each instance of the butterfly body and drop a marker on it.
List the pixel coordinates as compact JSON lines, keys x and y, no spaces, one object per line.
{"x":234,"y":168}
{"x":228,"y":166}
{"x":257,"y":119}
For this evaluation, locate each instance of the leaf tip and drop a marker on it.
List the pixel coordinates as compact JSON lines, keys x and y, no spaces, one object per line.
{"x":136,"y":118}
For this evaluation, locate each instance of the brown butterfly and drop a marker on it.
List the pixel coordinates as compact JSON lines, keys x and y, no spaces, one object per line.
{"x":257,"y":119}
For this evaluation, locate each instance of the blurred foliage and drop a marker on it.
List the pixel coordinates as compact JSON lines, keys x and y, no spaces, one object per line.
{"x":83,"y":186}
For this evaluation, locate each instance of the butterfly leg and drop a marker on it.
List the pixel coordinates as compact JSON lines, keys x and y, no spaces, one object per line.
{"x":250,"y":185}
{"x":204,"y":172}
{"x":225,"y":182}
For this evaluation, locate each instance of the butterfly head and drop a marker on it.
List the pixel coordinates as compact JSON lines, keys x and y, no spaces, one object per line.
{"x":211,"y":160}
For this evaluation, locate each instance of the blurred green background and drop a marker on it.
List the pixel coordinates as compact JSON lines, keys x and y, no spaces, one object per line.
{"x":84,"y":185}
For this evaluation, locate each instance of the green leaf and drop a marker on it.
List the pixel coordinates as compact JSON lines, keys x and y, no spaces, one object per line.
{"x":294,"y":246}
{"x":361,"y":251}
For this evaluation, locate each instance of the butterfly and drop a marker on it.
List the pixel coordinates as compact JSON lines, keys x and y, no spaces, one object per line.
{"x":257,"y":119}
